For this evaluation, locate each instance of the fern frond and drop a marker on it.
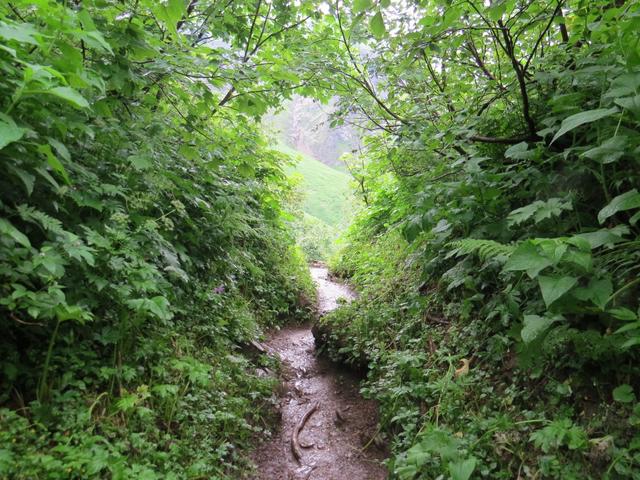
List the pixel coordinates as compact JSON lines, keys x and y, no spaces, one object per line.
{"x":485,"y":249}
{"x":622,"y":260}
{"x":48,"y":223}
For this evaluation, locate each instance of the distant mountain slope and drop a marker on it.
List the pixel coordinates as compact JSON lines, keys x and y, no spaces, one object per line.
{"x":327,"y":192}
{"x":305,"y":125}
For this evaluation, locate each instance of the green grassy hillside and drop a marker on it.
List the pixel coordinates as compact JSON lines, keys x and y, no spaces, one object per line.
{"x":326,"y":190}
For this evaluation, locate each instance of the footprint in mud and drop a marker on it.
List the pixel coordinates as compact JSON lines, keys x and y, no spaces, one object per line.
{"x":325,"y":421}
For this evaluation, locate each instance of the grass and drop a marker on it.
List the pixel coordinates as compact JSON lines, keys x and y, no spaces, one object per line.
{"x":327,"y":191}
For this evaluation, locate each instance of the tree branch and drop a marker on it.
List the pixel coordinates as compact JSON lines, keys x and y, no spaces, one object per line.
{"x":503,"y":140}
{"x":520,"y":75}
{"x":541,"y":36}
{"x":245,"y":57}
{"x":564,"y":34}
{"x":480,"y":63}
{"x":190,"y":7}
{"x":261,"y":41}
{"x":15,"y":11}
{"x":364,"y":82}
{"x":283,"y":29}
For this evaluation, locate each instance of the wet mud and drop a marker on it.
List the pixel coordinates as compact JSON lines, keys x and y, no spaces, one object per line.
{"x":338,"y":441}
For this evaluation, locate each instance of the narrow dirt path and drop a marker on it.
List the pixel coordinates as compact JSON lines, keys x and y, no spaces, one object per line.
{"x":332,"y":441}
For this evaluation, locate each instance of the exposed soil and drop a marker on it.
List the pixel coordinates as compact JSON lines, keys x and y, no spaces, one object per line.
{"x":338,"y":441}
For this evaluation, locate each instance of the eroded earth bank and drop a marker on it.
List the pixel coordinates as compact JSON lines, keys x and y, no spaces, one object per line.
{"x":337,"y":441}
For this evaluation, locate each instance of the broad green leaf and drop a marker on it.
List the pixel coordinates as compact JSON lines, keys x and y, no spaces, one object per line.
{"x":624,"y":394}
{"x":94,"y":39}
{"x":412,"y":228}
{"x":376,"y":25}
{"x":629,"y":103}
{"x":602,"y":237}
{"x":52,"y":261}
{"x":60,"y":148}
{"x":65,"y":93}
{"x":7,"y":229}
{"x":598,"y":291}
{"x":625,"y":84}
{"x":9,"y":131}
{"x":519,"y":151}
{"x":90,"y":34}
{"x":140,"y":162}
{"x":623,"y":314}
{"x":361,"y":5}
{"x":560,"y":432}
{"x":72,"y":312}
{"x":632,"y":342}
{"x":555,"y":287}
{"x":165,"y":390}
{"x":80,"y":252}
{"x":442,"y":226}
{"x":496,"y":10}
{"x":10,"y":51}
{"x":522,"y":214}
{"x":627,"y":201}
{"x":44,"y":173}
{"x":574,"y":121}
{"x":526,"y":257}
{"x":70,"y":95}
{"x":610,"y":151}
{"x":23,"y":33}
{"x":558,"y":252}
{"x":535,"y":325}
{"x":85,"y":19}
{"x":160,"y":307}
{"x":127,"y":402}
{"x":27,"y":179}
{"x":539,"y":210}
{"x":170,"y":12}
{"x":462,"y":469}
{"x":602,"y":290}
{"x":188,"y":152}
{"x":580,"y":243}
{"x":578,"y":257}
{"x":53,"y":162}
{"x":630,"y":327}
{"x":577,"y":438}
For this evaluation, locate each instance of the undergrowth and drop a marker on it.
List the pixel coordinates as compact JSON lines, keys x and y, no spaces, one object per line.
{"x":143,"y":245}
{"x":498,"y":276}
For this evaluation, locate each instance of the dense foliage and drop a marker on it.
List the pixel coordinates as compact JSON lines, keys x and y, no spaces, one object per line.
{"x":498,"y":253}
{"x":142,"y":239}
{"x":323,"y":204}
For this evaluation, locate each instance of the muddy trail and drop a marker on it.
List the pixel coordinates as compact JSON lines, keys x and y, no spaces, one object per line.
{"x":327,"y":430}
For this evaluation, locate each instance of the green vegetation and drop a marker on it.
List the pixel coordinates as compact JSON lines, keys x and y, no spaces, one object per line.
{"x":304,"y":124}
{"x":326,"y":190}
{"x":142,"y":244}
{"x":324,"y":204}
{"x":498,"y":257}
{"x":144,"y":238}
{"x":316,"y":239}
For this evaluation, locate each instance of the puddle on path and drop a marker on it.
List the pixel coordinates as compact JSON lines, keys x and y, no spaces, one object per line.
{"x":344,"y":423}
